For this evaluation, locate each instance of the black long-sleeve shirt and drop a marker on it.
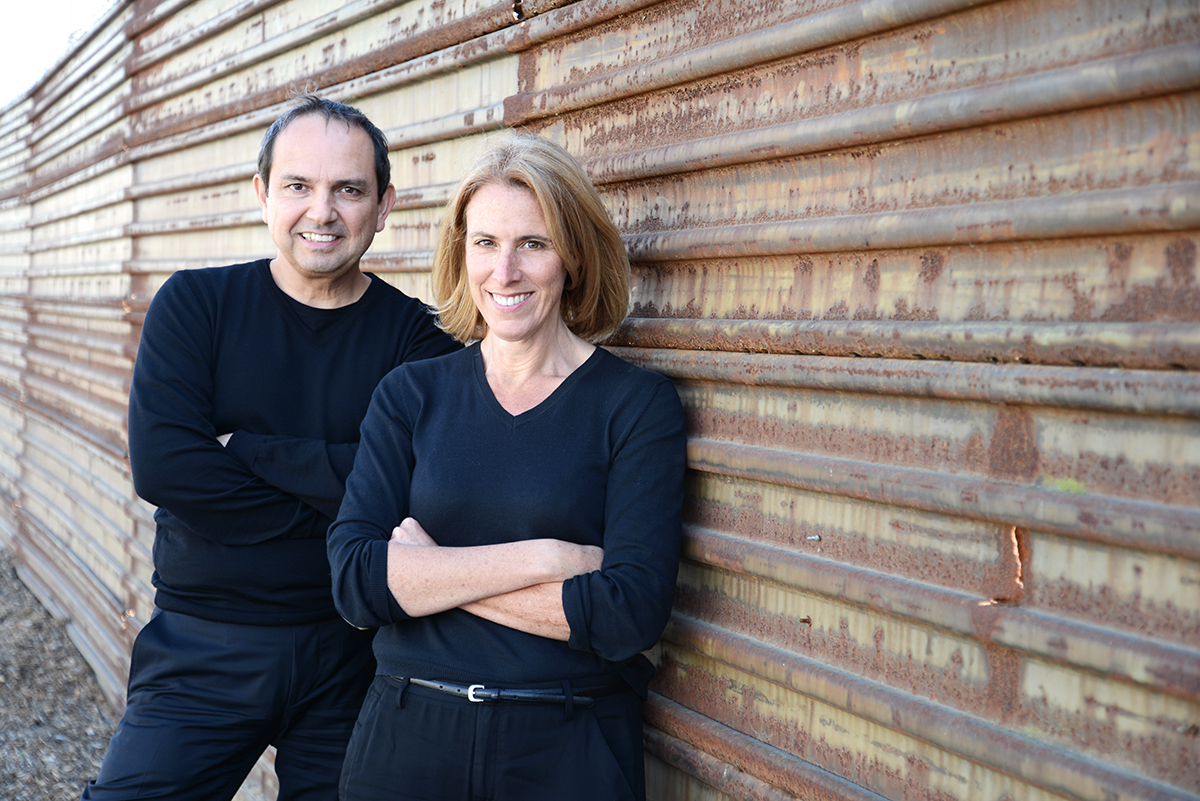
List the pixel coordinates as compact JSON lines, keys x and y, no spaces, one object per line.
{"x":241,"y":529}
{"x":599,"y":462}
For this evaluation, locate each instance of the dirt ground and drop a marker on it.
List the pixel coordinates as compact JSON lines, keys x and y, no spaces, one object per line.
{"x":54,"y":723}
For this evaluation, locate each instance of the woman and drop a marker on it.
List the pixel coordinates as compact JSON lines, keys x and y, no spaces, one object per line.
{"x":538,"y":484}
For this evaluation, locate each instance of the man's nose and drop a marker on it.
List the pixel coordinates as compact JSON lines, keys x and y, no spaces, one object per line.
{"x":322,"y":209}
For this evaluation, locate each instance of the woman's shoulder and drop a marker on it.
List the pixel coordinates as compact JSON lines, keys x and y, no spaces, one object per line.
{"x":436,"y":371}
{"x":613,"y":368}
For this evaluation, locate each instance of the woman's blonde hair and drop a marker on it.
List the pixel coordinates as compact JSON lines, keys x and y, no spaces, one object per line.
{"x":596,"y":292}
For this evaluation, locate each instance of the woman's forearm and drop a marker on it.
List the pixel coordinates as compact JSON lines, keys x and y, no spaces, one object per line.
{"x":427,"y":579}
{"x":533,"y":610}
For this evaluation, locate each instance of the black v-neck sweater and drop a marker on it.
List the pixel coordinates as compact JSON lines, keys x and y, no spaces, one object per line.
{"x":241,"y":529}
{"x":599,"y":462}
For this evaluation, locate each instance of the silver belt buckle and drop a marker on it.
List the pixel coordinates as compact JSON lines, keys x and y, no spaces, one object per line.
{"x":471,"y":693}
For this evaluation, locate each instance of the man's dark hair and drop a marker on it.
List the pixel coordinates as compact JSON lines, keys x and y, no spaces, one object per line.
{"x":330,"y":110}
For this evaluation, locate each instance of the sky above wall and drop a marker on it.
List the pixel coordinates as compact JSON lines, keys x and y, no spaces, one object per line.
{"x":39,"y":33}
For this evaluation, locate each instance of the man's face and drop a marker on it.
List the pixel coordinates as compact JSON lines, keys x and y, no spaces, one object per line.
{"x":321,"y":205}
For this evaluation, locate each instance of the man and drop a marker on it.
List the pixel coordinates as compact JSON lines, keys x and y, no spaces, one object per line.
{"x":250,"y":385}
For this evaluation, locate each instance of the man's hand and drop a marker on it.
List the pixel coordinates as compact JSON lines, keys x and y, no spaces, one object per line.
{"x":224,"y":438}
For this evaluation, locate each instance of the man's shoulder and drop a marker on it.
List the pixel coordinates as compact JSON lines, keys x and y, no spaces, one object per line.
{"x":218,"y":279}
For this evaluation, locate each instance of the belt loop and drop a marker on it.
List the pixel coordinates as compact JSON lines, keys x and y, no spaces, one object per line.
{"x":569,"y":711}
{"x":400,"y":693}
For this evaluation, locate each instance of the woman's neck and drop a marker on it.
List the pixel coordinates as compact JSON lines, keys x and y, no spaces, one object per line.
{"x":523,"y":374}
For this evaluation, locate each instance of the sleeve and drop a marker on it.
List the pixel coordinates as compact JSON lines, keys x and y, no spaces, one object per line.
{"x":622,"y":609}
{"x":376,"y":501}
{"x":424,"y":339}
{"x":309,"y":469}
{"x":315,"y":471}
{"x":176,"y":460}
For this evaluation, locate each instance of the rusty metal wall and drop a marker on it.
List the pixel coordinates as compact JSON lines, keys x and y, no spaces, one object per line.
{"x":925,"y":275}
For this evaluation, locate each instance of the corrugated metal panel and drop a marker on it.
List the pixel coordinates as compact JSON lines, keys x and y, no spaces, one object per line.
{"x":924,"y":273}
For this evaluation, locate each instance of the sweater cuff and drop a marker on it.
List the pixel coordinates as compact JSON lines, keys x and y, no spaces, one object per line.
{"x":245,"y":447}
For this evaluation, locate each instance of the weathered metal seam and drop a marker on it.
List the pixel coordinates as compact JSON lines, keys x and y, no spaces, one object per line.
{"x":794,"y":37}
{"x":44,"y":390}
{"x":232,"y":219}
{"x":196,"y":180}
{"x":721,"y":745}
{"x":77,"y":177}
{"x":113,"y":119}
{"x":89,"y":237}
{"x":1110,"y":81}
{"x":399,"y":261}
{"x":68,"y":81}
{"x":113,"y":198}
{"x":1172,"y":530}
{"x":1047,"y":343}
{"x":720,"y":776}
{"x":1164,"y":207}
{"x":980,"y":741}
{"x":803,"y":779}
{"x":54,"y":458}
{"x":144,"y":59}
{"x":452,"y":126}
{"x":113,"y":347}
{"x":61,"y":116}
{"x":95,"y":637}
{"x":1169,"y":668}
{"x":559,"y":22}
{"x":425,"y":197}
{"x":1105,"y":389}
{"x":344,"y":17}
{"x":38,"y":361}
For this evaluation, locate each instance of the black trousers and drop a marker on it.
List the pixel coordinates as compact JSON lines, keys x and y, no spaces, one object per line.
{"x":413,"y":743}
{"x":206,"y":698}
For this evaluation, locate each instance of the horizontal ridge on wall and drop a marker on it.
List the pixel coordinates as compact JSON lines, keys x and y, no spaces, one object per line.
{"x":1111,"y":212}
{"x":803,"y":34}
{"x":1148,"y":346}
{"x":1107,"y":81}
{"x":976,"y":739}
{"x":1173,"y":530}
{"x":1162,"y":666}
{"x":1139,"y":391}
{"x":735,"y":763}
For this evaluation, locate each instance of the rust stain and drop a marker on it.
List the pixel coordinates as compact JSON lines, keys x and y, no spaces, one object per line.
{"x":1175,"y":296}
{"x":1012,"y":448}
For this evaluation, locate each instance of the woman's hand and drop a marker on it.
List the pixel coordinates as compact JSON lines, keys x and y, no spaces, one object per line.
{"x":575,"y":560}
{"x":409,"y":532}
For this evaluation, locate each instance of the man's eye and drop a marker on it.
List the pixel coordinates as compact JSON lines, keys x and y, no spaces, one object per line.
{"x":350,"y":190}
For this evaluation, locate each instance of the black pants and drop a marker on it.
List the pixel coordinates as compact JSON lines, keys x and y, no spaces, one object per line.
{"x":414,"y":743}
{"x":206,"y":698}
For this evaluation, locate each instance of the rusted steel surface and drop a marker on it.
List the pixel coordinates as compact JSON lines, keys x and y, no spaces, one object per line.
{"x":924,"y":273}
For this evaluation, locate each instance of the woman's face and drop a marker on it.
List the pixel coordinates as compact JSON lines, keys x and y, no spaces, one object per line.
{"x":516,"y":277}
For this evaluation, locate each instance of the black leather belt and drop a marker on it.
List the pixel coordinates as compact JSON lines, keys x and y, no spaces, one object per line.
{"x":477,"y":693}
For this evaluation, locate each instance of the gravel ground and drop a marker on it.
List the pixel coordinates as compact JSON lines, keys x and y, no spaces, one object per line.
{"x":54,"y":723}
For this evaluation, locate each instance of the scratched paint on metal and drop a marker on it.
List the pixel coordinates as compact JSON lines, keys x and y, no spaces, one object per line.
{"x":290,"y":43}
{"x":1048,"y":157}
{"x":1059,"y":450}
{"x":1155,"y":593}
{"x":1074,"y":280}
{"x":968,"y":555}
{"x":1147,"y":732}
{"x":921,"y":659}
{"x":873,"y":756}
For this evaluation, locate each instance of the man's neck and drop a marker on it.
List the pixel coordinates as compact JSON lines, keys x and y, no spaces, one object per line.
{"x":320,"y":293}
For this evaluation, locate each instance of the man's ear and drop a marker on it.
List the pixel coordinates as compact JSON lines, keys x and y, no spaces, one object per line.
{"x":385,"y":206}
{"x":260,"y":192}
